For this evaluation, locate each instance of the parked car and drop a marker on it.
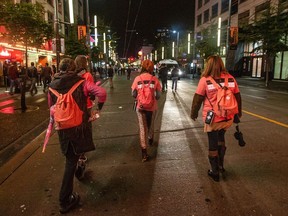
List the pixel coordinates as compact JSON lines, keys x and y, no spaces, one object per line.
{"x":171,"y":64}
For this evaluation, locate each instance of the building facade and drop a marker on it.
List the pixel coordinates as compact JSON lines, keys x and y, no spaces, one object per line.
{"x":47,"y":54}
{"x":223,"y":18}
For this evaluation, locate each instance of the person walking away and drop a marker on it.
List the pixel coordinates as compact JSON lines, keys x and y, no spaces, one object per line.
{"x":146,"y":115}
{"x":33,"y":75}
{"x":54,"y":70}
{"x":40,"y":71}
{"x":81,"y":69}
{"x":110,"y":75}
{"x":76,"y":140}
{"x":129,"y":70}
{"x":5,"y":73}
{"x":13,"y":76}
{"x":46,"y":75}
{"x":174,"y":77}
{"x":163,"y":72}
{"x":216,"y":127}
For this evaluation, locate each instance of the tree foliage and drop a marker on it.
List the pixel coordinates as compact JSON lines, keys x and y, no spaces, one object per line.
{"x":73,"y":46}
{"x":270,"y":32}
{"x":25,"y":24}
{"x":208,"y":44}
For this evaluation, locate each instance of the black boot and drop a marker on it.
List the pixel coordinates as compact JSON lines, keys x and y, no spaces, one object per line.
{"x":144,"y":155}
{"x":214,"y":173}
{"x":221,"y":153}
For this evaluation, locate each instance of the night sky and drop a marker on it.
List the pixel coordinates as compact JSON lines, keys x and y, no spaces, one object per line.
{"x":153,"y":14}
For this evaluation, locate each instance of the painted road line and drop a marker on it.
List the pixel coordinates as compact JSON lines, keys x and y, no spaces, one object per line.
{"x":267,"y":119}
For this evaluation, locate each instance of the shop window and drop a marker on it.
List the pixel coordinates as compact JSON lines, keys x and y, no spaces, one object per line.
{"x":206,"y":16}
{"x":214,"y":10}
{"x":285,"y":66}
{"x":277,"y":67}
{"x":199,"y":19}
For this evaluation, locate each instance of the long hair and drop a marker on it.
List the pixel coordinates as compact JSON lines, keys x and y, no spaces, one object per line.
{"x":214,"y":67}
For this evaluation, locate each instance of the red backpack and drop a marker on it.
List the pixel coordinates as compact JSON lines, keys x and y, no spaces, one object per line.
{"x":226,"y":105}
{"x":67,"y":113}
{"x":145,"y":95}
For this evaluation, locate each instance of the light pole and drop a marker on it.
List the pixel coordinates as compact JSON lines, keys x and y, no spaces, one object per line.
{"x":177,"y":43}
{"x":57,"y":36}
{"x":88,"y":34}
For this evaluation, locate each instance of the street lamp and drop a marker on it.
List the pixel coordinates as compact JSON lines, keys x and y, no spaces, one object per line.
{"x":177,"y":43}
{"x":189,"y":43}
{"x":219,"y":34}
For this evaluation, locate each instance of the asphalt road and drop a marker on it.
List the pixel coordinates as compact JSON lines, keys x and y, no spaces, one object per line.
{"x":174,"y":181}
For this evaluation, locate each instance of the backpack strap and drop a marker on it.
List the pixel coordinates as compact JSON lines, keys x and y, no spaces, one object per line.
{"x":75,"y":86}
{"x":216,"y":85}
{"x":148,"y":82}
{"x":55,"y":92}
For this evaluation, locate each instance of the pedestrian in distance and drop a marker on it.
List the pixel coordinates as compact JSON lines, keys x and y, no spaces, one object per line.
{"x":40,"y":71}
{"x":47,"y":76}
{"x":163,"y":73}
{"x":129,"y":70}
{"x":76,"y":140}
{"x":174,"y":77}
{"x":213,"y":77}
{"x":33,"y":76}
{"x":146,"y":86}
{"x":110,"y":75}
{"x":13,"y":77}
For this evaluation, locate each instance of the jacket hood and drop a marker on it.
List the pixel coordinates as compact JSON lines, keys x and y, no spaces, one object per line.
{"x":64,"y":80}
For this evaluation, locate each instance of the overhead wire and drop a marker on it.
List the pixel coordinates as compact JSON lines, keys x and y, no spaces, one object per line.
{"x":126,"y":30}
{"x":133,"y":28}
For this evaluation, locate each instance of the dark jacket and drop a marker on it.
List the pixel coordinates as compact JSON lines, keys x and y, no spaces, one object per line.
{"x":81,"y":136}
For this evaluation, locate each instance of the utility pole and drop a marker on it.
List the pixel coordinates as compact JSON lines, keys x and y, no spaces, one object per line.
{"x":57,"y":36}
{"x":88,"y":35}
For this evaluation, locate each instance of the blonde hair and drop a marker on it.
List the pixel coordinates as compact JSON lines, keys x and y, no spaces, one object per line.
{"x":214,"y":67}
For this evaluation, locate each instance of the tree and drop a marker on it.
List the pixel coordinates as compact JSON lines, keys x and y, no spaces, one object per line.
{"x":207,"y":45}
{"x":270,"y":33}
{"x":73,"y":46}
{"x":25,"y":25}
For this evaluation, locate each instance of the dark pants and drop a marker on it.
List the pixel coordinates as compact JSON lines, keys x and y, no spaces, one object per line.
{"x":46,"y":82}
{"x":164,"y":84}
{"x":68,"y":178}
{"x":214,"y":137}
